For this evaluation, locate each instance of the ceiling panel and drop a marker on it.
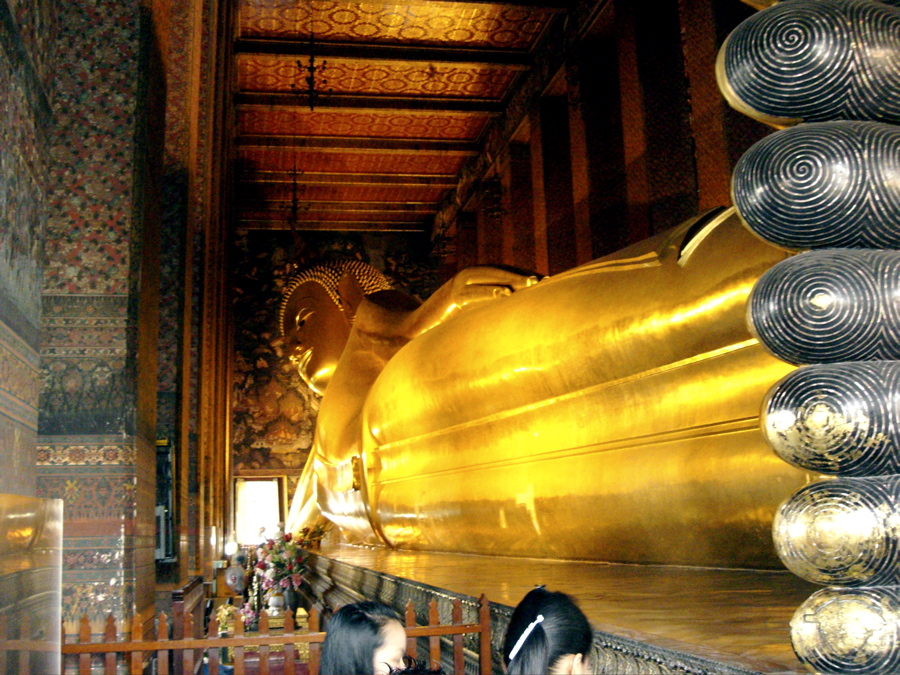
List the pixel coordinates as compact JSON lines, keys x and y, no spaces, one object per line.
{"x":378,"y":77}
{"x":454,"y":24}
{"x":403,"y":102}
{"x":375,"y":162}
{"x":253,"y":120}
{"x":341,"y":193}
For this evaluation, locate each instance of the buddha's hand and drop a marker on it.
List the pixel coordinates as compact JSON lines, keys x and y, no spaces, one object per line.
{"x":477,"y":284}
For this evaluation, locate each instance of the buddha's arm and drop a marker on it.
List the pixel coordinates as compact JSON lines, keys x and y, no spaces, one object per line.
{"x":471,"y":286}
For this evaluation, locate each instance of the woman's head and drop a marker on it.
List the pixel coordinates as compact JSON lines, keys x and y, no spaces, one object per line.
{"x":365,"y":638}
{"x":547,"y":634}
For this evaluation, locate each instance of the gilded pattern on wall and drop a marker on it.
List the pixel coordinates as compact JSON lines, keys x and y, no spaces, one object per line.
{"x":82,"y":453}
{"x":91,"y":211}
{"x":84,"y":361}
{"x":19,"y":385}
{"x":94,"y":475}
{"x":96,"y":600}
{"x":19,"y":382}
{"x":92,"y":495}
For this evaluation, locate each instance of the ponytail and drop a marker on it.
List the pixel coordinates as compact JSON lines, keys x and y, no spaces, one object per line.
{"x":544,"y":627}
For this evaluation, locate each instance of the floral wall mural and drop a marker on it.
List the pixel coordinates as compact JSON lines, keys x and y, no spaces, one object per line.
{"x":274,"y":412}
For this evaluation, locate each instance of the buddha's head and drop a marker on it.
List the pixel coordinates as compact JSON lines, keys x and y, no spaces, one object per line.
{"x":317,"y":310}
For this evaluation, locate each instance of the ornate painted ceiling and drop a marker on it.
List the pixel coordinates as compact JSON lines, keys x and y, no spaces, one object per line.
{"x":404,"y":96}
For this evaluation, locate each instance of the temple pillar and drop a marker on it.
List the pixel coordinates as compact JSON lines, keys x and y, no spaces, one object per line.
{"x":557,"y":177}
{"x":521,"y":207}
{"x":466,"y":240}
{"x":96,"y":426}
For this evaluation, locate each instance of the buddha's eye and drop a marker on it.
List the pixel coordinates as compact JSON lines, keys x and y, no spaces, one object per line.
{"x":301,"y":318}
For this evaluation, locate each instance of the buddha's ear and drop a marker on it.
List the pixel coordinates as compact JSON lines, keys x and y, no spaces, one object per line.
{"x":350,"y":293}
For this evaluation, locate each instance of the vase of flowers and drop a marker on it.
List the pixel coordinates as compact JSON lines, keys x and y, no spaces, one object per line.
{"x":227,"y":614}
{"x":281,"y":564}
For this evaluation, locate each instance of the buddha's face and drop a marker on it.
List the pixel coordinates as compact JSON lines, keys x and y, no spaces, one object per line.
{"x":315,"y":333}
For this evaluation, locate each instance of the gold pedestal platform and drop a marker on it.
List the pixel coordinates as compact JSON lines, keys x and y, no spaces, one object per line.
{"x":735,"y":617}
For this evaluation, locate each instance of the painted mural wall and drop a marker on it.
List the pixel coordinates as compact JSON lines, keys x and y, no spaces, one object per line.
{"x":25,"y":119}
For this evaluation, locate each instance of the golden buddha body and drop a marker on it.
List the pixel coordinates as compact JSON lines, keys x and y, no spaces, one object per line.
{"x":607,"y":413}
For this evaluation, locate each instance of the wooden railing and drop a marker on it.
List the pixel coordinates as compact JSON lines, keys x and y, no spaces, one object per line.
{"x":188,"y":603}
{"x":184,"y":654}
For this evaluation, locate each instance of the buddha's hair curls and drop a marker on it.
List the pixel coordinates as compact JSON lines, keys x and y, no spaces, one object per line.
{"x":328,"y":275}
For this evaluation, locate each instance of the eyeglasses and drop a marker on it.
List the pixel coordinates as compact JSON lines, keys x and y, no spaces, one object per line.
{"x":411,"y":666}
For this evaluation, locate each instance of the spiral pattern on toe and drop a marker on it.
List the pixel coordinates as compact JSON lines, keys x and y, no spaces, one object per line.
{"x":848,"y":630}
{"x":813,"y":61}
{"x":828,"y":306}
{"x":823,"y":185}
{"x":841,"y":532}
{"x":838,"y":418}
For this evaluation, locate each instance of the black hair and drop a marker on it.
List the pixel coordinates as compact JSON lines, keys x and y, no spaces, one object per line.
{"x":563,"y":630}
{"x":353,"y":635}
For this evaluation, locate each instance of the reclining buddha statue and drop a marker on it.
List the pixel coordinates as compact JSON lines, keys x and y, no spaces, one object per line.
{"x":610,"y":412}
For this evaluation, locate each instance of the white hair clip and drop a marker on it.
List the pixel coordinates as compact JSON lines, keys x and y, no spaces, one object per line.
{"x":524,"y":636}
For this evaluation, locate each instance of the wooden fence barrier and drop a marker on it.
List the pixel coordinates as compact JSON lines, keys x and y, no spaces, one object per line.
{"x":180,"y":654}
{"x":188,"y":601}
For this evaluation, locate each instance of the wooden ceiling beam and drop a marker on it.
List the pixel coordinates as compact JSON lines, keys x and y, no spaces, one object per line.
{"x":292,"y":100}
{"x":463,"y":152}
{"x":552,"y":5}
{"x":517,"y":58}
{"x":333,"y":226}
{"x":320,"y":178}
{"x":283,"y":206}
{"x":348,"y":143}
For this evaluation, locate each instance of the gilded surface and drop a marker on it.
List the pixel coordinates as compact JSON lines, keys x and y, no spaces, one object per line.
{"x":608,"y":413}
{"x":848,"y":631}
{"x":30,"y":582}
{"x":435,"y":23}
{"x":842,"y":532}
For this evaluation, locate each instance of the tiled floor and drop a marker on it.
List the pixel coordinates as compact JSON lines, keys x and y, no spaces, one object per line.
{"x":735,"y":615}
